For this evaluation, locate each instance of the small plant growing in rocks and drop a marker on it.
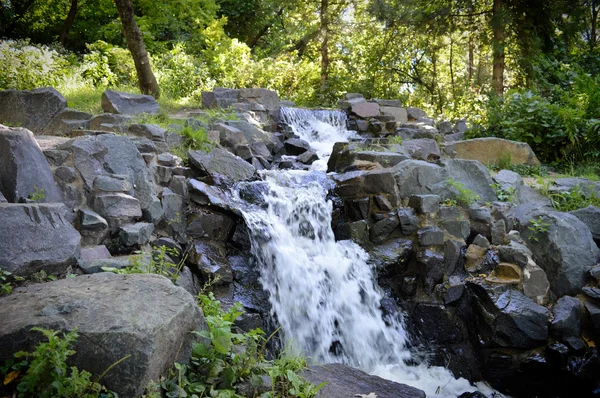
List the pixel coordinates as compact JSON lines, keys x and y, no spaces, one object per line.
{"x":464,"y":196}
{"x":537,"y":227}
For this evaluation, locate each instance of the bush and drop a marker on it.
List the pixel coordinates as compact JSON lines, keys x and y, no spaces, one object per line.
{"x":107,"y":65}
{"x":25,"y":66}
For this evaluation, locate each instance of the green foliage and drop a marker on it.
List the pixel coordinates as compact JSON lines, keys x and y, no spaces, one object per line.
{"x":41,"y":277}
{"x":223,"y":358}
{"x":504,"y":195}
{"x":464,"y":196}
{"x":7,"y":280}
{"x":44,"y":372}
{"x":108,"y":66}
{"x":537,"y":226}
{"x":395,"y":140}
{"x":160,"y":263}
{"x":573,"y":199}
{"x":37,"y":195}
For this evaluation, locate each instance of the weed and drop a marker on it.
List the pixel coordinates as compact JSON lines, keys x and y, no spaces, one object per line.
{"x":43,"y":373}
{"x":505,"y":161}
{"x":160,"y":264}
{"x":6,"y":282}
{"x":504,"y":195}
{"x":395,"y":140}
{"x":38,"y":194}
{"x":573,"y":199}
{"x":464,"y":196}
{"x":41,"y":277}
{"x":537,"y":227}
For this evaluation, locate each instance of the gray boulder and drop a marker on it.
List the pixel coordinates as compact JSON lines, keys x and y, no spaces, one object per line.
{"x":37,"y":237}
{"x":561,"y":245}
{"x":221,"y":167}
{"x":211,"y":259}
{"x":345,"y":382}
{"x":136,"y":234}
{"x":127,"y":103}
{"x":567,"y":318}
{"x":92,"y":227}
{"x":416,"y":177}
{"x":32,"y":109}
{"x":144,"y":316}
{"x":474,"y":176}
{"x":117,"y":208}
{"x":68,"y":120}
{"x":590,"y":216}
{"x":24,"y":171}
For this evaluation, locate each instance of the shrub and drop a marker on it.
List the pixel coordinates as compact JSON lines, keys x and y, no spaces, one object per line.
{"x":107,"y":65}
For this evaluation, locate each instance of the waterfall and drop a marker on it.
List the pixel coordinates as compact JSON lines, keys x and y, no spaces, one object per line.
{"x":320,"y":128}
{"x":324,"y":293}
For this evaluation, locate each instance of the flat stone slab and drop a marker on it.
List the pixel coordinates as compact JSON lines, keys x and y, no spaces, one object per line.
{"x":492,"y":150}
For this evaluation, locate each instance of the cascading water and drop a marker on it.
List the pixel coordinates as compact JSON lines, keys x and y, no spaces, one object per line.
{"x":320,"y":128}
{"x":323,"y":293}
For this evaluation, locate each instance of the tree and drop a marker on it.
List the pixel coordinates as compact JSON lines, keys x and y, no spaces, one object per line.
{"x":146,"y":79}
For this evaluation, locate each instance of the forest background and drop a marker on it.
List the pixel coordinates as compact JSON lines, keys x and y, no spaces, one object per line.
{"x":520,"y":69}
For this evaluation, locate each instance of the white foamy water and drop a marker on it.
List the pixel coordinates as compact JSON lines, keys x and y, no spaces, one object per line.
{"x":320,"y":128}
{"x":324,"y":293}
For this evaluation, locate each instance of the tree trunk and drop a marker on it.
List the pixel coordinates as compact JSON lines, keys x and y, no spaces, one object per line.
{"x":452,"y":68}
{"x":498,"y":47}
{"x":594,"y":26}
{"x":64,"y":32}
{"x":324,"y":43}
{"x":146,"y":79}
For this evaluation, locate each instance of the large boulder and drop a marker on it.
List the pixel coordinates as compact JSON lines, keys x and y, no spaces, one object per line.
{"x":24,"y":169}
{"x":345,"y":382}
{"x":561,"y":244}
{"x":590,"y":216}
{"x":474,"y":176}
{"x":32,"y":109}
{"x":113,"y":154}
{"x":127,"y":103}
{"x":35,"y":237}
{"x":221,"y":167}
{"x":144,"y":316}
{"x":492,"y":150}
{"x":417,"y":177}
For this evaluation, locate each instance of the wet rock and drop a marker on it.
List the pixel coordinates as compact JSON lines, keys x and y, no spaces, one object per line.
{"x":357,"y":231}
{"x":210,"y":225}
{"x":308,"y":157}
{"x":149,"y":318}
{"x":593,"y":311}
{"x":127,"y":103}
{"x":24,"y":171}
{"x":392,"y":256}
{"x":438,"y":324}
{"x":382,"y":229}
{"x":515,"y":253}
{"x":492,"y":150}
{"x":296,"y":146}
{"x":136,"y":234}
{"x":567,"y":318}
{"x":221,"y":166}
{"x":513,"y":319}
{"x":409,"y":222}
{"x":357,"y":209}
{"x":211,"y":260}
{"x":431,"y":236}
{"x":204,"y":194}
{"x":344,"y":382}
{"x":535,"y":282}
{"x":174,"y":219}
{"x":595,"y":273}
{"x":37,"y":237}
{"x":453,"y":255}
{"x":481,"y":221}
{"x":431,"y":268}
{"x":561,"y":245}
{"x":31,"y":109}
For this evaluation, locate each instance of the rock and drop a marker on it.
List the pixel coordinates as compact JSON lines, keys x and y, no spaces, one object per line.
{"x":117,"y":208}
{"x":308,"y":157}
{"x":230,"y":136}
{"x":422,"y":149}
{"x":416,"y":114}
{"x":111,"y":154}
{"x":590,"y":216}
{"x":514,"y":320}
{"x":498,"y":232}
{"x":474,"y":258}
{"x":481,"y":220}
{"x":296,"y":146}
{"x":492,"y":150}
{"x":174,"y":215}
{"x":92,"y":227}
{"x":506,"y":273}
{"x":453,"y":255}
{"x":127,"y":103}
{"x":204,"y":194}
{"x":68,"y":120}
{"x":535,"y":283}
{"x":388,"y":103}
{"x":344,"y":382}
{"x":392,"y":256}
{"x":431,"y":268}
{"x":94,"y":253}
{"x":210,"y":225}
{"x":357,"y":231}
{"x":365,"y":109}
{"x":431,"y":236}
{"x":561,"y":245}
{"x":189,"y":281}
{"x":382,"y":229}
{"x":567,"y":318}
{"x":399,"y":114}
{"x":24,"y":171}
{"x":98,"y":265}
{"x":409,"y":222}
{"x":37,"y":237}
{"x":110,"y":122}
{"x":474,"y":176}
{"x":424,"y":203}
{"x":112,"y":183}
{"x":595,"y":273}
{"x":221,"y":167}
{"x":416,"y":177}
{"x":481,"y":241}
{"x":149,"y":318}
{"x":593,"y":311}
{"x":437,"y":324}
{"x":136,"y":234}
{"x":219,"y":98}
{"x":32,"y":109}
{"x":508,"y":181}
{"x":211,"y":260}
{"x":151,"y":131}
